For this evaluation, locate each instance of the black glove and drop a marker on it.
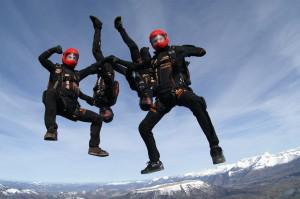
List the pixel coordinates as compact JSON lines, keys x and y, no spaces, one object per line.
{"x":55,"y":49}
{"x":118,"y":23}
{"x":96,"y":22}
{"x":90,"y":101}
{"x":58,"y":49}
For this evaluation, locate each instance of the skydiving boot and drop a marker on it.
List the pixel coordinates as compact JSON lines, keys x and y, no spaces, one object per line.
{"x":217,"y":154}
{"x":51,"y":136}
{"x":153,"y":167}
{"x":96,"y":22}
{"x":97,"y":151}
{"x":118,"y":23}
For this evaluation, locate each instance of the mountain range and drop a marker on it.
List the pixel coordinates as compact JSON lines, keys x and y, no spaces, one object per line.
{"x":260,"y":177}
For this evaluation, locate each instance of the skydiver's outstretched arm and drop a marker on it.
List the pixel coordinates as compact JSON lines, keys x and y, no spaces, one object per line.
{"x":134,"y":50}
{"x":44,"y":57}
{"x":120,"y":68}
{"x":124,"y":63}
{"x":117,"y":67}
{"x":86,"y":98}
{"x":97,"y":39}
{"x":92,"y":69}
{"x":127,"y":64}
{"x":190,"y":50}
{"x":131,"y":65}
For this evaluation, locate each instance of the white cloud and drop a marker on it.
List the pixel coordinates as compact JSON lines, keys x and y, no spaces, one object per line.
{"x":249,"y":78}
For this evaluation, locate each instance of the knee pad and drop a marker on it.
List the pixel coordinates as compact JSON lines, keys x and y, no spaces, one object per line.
{"x":107,"y":114}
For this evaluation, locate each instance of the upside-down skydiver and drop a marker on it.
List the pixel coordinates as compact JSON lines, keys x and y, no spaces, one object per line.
{"x":142,"y":80}
{"x":106,"y":89}
{"x":61,"y":96}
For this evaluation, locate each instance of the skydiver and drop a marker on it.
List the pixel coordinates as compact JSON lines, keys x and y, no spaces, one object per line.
{"x":142,"y":80}
{"x":173,"y":89}
{"x":173,"y":80}
{"x":106,"y":89}
{"x":62,"y":93}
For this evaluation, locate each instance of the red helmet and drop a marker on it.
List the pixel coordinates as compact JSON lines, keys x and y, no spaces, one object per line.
{"x":158,"y":39}
{"x":70,"y":57}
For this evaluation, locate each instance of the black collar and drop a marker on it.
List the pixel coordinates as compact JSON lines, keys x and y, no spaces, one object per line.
{"x":162,"y":50}
{"x":67,"y":67}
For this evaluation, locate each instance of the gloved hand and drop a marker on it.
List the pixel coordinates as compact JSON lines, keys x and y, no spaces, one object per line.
{"x":90,"y":101}
{"x":118,"y":22}
{"x":58,"y":49}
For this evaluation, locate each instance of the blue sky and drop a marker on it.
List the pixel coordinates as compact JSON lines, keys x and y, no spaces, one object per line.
{"x":249,"y":77}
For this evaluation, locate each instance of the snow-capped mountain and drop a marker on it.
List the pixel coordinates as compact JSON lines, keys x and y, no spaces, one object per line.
{"x":12,"y":191}
{"x":255,"y":163}
{"x":268,"y":175}
{"x":171,"y":188}
{"x":184,"y":189}
{"x":2,"y":188}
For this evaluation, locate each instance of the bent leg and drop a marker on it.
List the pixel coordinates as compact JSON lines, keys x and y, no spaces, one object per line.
{"x":134,"y":50}
{"x":96,"y":120}
{"x":97,"y":39}
{"x":49,"y":99}
{"x":198,"y":106}
{"x":146,"y":126}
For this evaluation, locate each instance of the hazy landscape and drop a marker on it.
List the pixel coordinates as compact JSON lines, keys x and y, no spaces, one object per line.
{"x":265,"y":176}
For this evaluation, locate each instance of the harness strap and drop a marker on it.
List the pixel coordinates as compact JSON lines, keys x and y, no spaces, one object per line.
{"x":153,"y":108}
{"x":178,"y":92}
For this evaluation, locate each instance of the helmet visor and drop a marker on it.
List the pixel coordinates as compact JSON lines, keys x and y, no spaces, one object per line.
{"x":157,"y":39}
{"x":72,"y":56}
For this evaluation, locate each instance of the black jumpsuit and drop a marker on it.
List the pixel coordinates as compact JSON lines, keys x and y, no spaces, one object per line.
{"x":62,"y":93}
{"x":172,"y":90}
{"x":142,"y":80}
{"x":106,"y":88}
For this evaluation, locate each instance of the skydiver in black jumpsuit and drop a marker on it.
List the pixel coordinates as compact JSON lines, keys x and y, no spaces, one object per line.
{"x":142,"y":80}
{"x":173,"y":89}
{"x":62,"y":93}
{"x":106,"y":89}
